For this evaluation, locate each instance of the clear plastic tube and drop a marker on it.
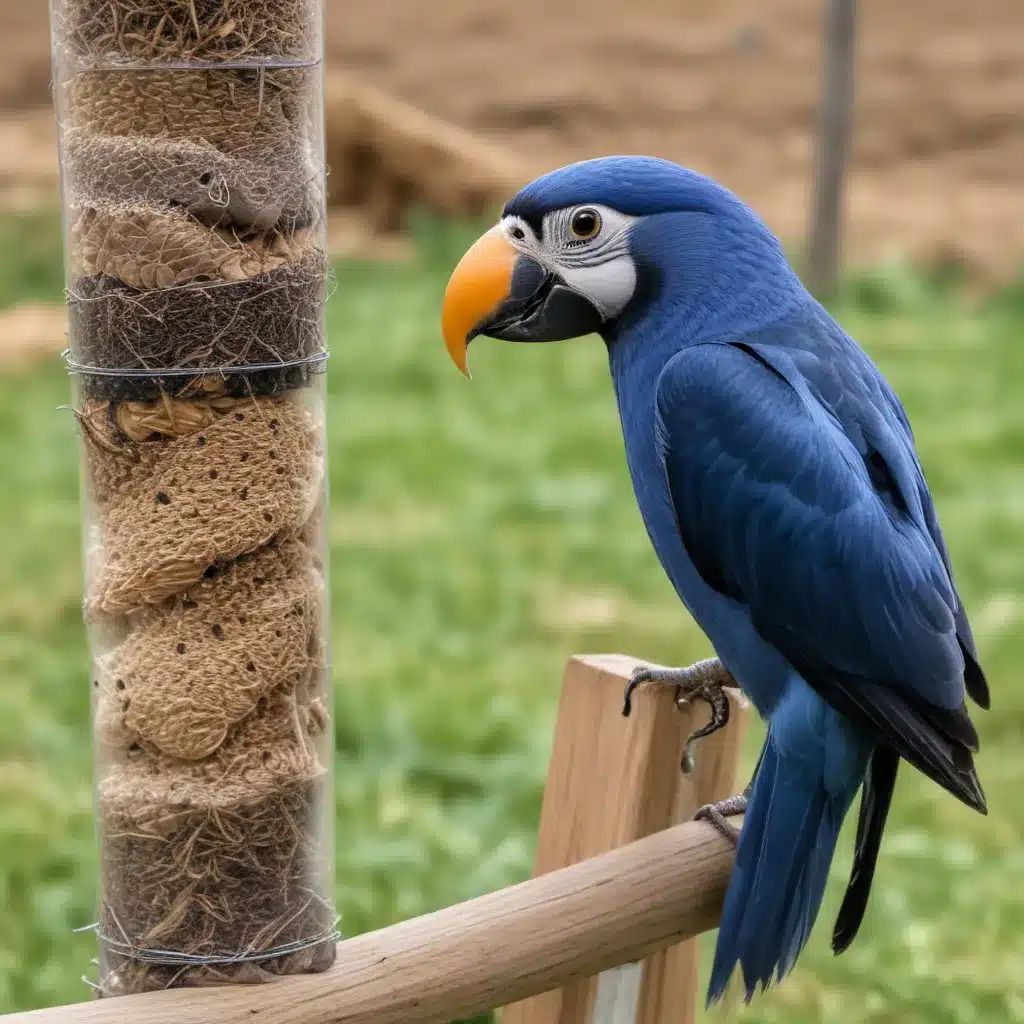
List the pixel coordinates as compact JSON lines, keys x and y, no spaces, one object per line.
{"x":193,"y":185}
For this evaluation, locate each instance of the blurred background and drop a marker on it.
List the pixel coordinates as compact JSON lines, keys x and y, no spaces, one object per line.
{"x":481,"y":534}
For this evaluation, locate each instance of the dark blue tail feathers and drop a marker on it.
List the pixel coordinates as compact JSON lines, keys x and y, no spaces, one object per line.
{"x":789,"y":836}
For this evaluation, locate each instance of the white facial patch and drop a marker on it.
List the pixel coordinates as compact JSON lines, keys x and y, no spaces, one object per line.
{"x":608,"y":285}
{"x":600,"y":268}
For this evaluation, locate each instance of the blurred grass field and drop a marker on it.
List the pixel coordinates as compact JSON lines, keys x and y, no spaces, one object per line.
{"x":481,"y":533}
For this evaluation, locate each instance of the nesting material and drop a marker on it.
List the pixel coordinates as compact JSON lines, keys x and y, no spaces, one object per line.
{"x":254,"y":340}
{"x":279,"y":190}
{"x":190,"y":670}
{"x":119,"y":33}
{"x":171,"y":508}
{"x":150,"y":249}
{"x":193,"y":184}
{"x":155,"y":291}
{"x":220,"y":857}
{"x":251,"y":113}
{"x":166,"y":417}
{"x":193,"y":168}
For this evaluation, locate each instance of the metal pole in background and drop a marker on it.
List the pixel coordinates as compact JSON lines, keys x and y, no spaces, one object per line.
{"x":835,"y":123}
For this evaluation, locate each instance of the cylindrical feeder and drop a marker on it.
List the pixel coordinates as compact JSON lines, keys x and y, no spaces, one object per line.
{"x":194,"y":198}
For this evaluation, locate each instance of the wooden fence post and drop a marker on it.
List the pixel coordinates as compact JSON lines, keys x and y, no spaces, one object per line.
{"x":613,"y":780}
{"x":835,"y":123}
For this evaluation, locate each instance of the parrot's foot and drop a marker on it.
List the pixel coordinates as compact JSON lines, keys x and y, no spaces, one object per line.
{"x":716,"y":814}
{"x":704,"y":681}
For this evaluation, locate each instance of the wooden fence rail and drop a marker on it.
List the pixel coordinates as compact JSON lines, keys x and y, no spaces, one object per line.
{"x":611,"y":780}
{"x":514,"y":943}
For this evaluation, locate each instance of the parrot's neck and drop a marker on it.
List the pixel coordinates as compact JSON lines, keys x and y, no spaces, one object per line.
{"x":635,"y":382}
{"x":699,"y":288}
{"x":701,"y":278}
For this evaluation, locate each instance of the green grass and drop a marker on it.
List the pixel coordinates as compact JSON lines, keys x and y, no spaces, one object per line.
{"x":480,"y":533}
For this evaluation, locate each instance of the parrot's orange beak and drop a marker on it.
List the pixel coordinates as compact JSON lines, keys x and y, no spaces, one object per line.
{"x":478,"y":285}
{"x":502,"y":293}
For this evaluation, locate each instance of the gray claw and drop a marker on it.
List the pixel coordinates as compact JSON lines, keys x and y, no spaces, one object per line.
{"x":704,"y":681}
{"x":716,"y":815}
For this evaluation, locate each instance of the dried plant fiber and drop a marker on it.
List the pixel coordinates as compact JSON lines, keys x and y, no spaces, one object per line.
{"x":217,"y":857}
{"x":157,"y":291}
{"x":191,"y":669}
{"x":250,"y":113}
{"x":119,"y":33}
{"x":171,"y":509}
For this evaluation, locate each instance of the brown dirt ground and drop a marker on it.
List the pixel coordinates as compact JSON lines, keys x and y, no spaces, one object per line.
{"x":727,"y":87}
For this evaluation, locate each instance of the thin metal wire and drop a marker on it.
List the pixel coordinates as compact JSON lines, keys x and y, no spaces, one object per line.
{"x":317,"y":360}
{"x":255,"y":64}
{"x":173,"y":958}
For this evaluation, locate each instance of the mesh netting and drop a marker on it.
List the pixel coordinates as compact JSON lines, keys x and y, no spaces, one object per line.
{"x":170,"y":509}
{"x":192,"y":669}
{"x":217,"y":189}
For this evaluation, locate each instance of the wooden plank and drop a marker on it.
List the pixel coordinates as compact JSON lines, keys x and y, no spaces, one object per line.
{"x":834,"y":131}
{"x":671,"y":995}
{"x":613,"y":780}
{"x":618,"y":994}
{"x":531,"y":937}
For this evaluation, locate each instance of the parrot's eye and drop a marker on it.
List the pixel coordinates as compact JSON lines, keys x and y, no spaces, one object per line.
{"x":517,"y":233}
{"x":585,"y":224}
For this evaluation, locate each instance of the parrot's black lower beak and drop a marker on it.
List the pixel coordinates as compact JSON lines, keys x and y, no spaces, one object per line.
{"x":539,"y":307}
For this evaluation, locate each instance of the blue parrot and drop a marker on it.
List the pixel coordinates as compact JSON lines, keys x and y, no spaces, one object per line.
{"x":776,"y":474}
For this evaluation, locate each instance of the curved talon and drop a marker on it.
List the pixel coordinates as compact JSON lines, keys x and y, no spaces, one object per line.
{"x":637,"y":679}
{"x":704,"y":681}
{"x":645,"y":674}
{"x":718,"y":702}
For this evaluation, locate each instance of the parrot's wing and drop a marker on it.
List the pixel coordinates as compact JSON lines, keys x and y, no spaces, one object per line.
{"x":847,"y":385}
{"x":974,"y":677}
{"x":780,"y":512}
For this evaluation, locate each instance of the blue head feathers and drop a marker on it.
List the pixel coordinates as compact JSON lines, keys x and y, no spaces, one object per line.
{"x":640,"y":186}
{"x":682,"y":259}
{"x":706,"y":260}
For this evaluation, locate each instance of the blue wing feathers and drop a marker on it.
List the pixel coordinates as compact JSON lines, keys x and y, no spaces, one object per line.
{"x":755,"y":450}
{"x":799,"y":497}
{"x":844,"y":381}
{"x":974,"y":677}
{"x":778,"y":510}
